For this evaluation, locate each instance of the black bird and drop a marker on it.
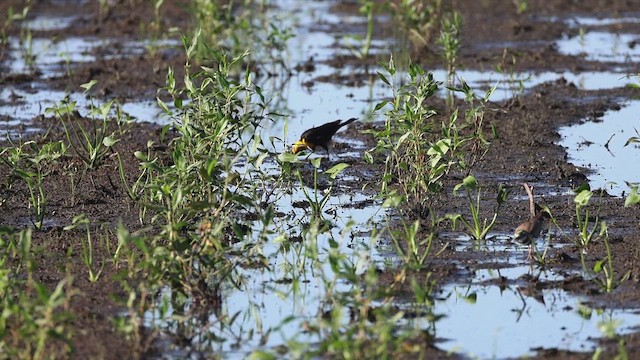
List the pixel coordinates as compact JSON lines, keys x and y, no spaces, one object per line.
{"x":319,"y":136}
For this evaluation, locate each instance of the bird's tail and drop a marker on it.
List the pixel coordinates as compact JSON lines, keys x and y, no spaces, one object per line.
{"x":347,"y":122}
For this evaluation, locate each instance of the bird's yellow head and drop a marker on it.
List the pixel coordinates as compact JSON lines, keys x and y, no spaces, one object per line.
{"x":301,"y":145}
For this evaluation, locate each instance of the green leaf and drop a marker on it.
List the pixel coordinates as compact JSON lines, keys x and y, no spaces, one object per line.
{"x":633,"y":198}
{"x":336,"y":169}
{"x":109,"y":141}
{"x":440,"y":148}
{"x":584,"y":311}
{"x":381,"y":104}
{"x":453,"y":218}
{"x":503,"y":194}
{"x":383,"y":78}
{"x":470,"y":182}
{"x":140,"y":155}
{"x":582,"y":187}
{"x":392,"y":201}
{"x":261,"y":355}
{"x":89,"y":85}
{"x":287,"y":157}
{"x":598,"y":266}
{"x":583,"y":197}
{"x":471,"y":298}
{"x":163,"y":106}
{"x":316,"y":162}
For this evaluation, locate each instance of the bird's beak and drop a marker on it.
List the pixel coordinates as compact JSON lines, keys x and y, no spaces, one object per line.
{"x":300,"y":145}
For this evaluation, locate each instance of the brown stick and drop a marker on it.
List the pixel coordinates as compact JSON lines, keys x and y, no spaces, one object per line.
{"x":532,"y":206}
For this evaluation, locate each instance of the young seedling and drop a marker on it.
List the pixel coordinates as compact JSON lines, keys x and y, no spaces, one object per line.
{"x":476,"y":227}
{"x":605,"y":274}
{"x":587,"y":227}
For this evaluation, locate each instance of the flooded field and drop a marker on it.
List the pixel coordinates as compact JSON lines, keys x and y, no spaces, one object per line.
{"x":152,"y":207}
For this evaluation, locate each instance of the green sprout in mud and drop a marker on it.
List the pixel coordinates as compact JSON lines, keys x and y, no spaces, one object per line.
{"x":411,"y":156}
{"x":587,"y":226}
{"x":521,"y":6}
{"x":476,"y":228}
{"x":243,"y":29}
{"x":33,"y":323}
{"x":605,"y":274}
{"x":367,"y":8}
{"x":318,"y":203}
{"x":633,"y":198}
{"x":416,"y":20}
{"x":449,"y":41}
{"x":406,"y":241}
{"x":11,"y":17}
{"x":81,"y":221}
{"x":92,"y":144}
{"x":33,"y":166}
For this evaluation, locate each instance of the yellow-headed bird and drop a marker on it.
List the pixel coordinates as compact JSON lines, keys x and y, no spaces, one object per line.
{"x":319,"y":136}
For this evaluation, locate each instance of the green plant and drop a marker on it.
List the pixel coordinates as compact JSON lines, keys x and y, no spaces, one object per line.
{"x":416,"y":20}
{"x":414,"y":157}
{"x":367,"y":8}
{"x":474,"y":143}
{"x":33,"y":168}
{"x":316,"y":203}
{"x":633,"y":198}
{"x":406,"y":241}
{"x":34,"y":323}
{"x":521,"y":6}
{"x":7,"y":22}
{"x":477,"y":228}
{"x":449,"y":41}
{"x":90,"y":145}
{"x":587,"y":226}
{"x":605,"y":274}
{"x":240,"y":28}
{"x":81,"y":221}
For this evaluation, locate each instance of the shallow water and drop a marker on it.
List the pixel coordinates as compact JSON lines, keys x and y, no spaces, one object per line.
{"x":599,"y":145}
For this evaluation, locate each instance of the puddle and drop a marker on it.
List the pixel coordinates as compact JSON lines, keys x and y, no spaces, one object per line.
{"x":267,"y":297}
{"x":602,"y":47}
{"x":50,"y":56}
{"x":55,"y":57}
{"x":513,"y":323}
{"x":20,"y":107}
{"x":578,"y":21}
{"x":48,"y":23}
{"x":599,"y":146}
{"x":511,"y":85}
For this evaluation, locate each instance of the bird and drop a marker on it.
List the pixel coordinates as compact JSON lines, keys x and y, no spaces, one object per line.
{"x":531,"y":228}
{"x":319,"y":136}
{"x":526,"y":232}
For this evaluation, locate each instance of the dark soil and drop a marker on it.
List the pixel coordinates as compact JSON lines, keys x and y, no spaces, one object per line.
{"x":525,"y":151}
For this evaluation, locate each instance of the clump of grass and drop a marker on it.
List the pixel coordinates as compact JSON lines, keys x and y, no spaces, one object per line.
{"x":411,"y":156}
{"x":476,"y":227}
{"x":32,"y":163}
{"x":416,"y":20}
{"x":90,"y":144}
{"x":34,"y":323}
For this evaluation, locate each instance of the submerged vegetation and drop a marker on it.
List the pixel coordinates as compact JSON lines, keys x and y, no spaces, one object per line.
{"x":220,"y":205}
